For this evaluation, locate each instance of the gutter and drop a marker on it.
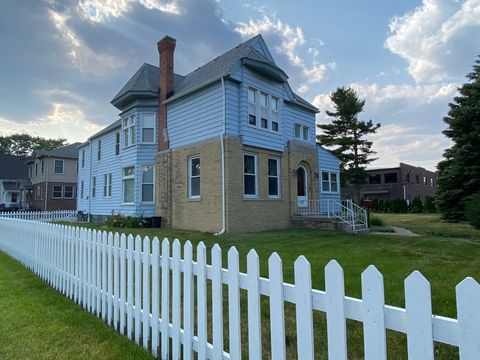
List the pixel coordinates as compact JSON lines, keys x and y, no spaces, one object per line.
{"x":90,"y":181}
{"x":222,"y":134}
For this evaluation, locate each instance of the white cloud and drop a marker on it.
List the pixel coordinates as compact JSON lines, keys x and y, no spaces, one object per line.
{"x":63,"y":120}
{"x":291,"y":40}
{"x":439,"y":39}
{"x":84,"y":59}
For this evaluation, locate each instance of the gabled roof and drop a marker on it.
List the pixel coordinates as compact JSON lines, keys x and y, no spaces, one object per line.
{"x":13,"y":167}
{"x":68,"y":152}
{"x":117,"y":124}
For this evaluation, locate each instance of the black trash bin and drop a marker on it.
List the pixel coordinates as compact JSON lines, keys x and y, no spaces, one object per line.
{"x":156,"y":222}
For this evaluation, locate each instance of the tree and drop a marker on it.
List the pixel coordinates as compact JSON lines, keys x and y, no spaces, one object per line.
{"x":346,"y":135}
{"x":459,"y":172}
{"x":24,"y":144}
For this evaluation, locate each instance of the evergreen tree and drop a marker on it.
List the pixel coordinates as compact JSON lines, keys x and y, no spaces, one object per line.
{"x":345,"y":135}
{"x":459,"y":172}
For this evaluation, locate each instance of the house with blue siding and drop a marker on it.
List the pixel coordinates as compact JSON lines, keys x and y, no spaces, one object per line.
{"x":228,"y":147}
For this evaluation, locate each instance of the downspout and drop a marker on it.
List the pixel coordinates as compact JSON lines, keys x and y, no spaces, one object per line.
{"x":222,"y":147}
{"x":90,"y":181}
{"x":46,"y":182}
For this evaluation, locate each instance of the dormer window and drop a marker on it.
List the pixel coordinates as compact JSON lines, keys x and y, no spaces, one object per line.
{"x":263,"y":110}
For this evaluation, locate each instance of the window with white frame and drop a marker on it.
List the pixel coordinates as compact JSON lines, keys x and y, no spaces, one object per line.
{"x":273,"y":178}
{"x":94,"y":187}
{"x":117,"y":143}
{"x":82,"y":188}
{"x":99,"y":150}
{"x":148,"y":128}
{"x":83,"y":158}
{"x":57,"y":192}
{"x":194,"y":177}
{"x":302,"y":132}
{"x":68,"y":192}
{"x":128,"y":182}
{"x":263,"y":110}
{"x":148,"y":183}
{"x":107,"y":185}
{"x":329,"y":181}
{"x":58,"y":167}
{"x":128,"y":129}
{"x":250,"y":175}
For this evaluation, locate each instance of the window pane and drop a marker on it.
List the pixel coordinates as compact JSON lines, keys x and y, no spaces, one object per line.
{"x":125,"y":137}
{"x":147,"y":192}
{"x":249,"y":183}
{"x":375,"y":179}
{"x":147,"y":135}
{"x":264,"y":123}
{"x":147,"y":175}
{"x":391,"y":178}
{"x":334,"y":186}
{"x":129,"y":171}
{"x":274,"y":126}
{"x":252,"y":96}
{"x":132,"y":135}
{"x":272,"y":167}
{"x":128,"y":188}
{"x":58,"y":167}
{"x":57,"y":191}
{"x":249,"y":164}
{"x":301,"y":182}
{"x":68,"y":191}
{"x":305,"y":133}
{"x":298,"y":130}
{"x":252,"y":120}
{"x":273,"y":186}
{"x":325,"y":186}
{"x":195,"y":186}
{"x":263,"y":100}
{"x":274,"y":104}
{"x":195,"y":167}
{"x":333,"y":177}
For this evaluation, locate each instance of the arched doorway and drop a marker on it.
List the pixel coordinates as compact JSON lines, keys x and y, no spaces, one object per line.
{"x":302,"y":187}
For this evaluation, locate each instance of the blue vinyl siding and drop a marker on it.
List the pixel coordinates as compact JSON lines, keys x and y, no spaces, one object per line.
{"x":327,"y":162}
{"x":196,"y":117}
{"x":137,"y":155}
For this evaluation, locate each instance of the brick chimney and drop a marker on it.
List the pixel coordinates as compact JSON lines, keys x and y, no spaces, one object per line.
{"x":166,"y":48}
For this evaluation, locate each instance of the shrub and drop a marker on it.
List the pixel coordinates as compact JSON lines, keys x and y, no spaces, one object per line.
{"x":472,"y":210}
{"x":399,"y":206}
{"x":430,"y":204}
{"x":117,"y":220}
{"x":417,"y":205}
{"x":375,"y":206}
{"x":375,"y":221}
{"x":387,"y":207}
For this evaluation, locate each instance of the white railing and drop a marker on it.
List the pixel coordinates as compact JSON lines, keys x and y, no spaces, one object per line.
{"x":117,"y":278}
{"x":57,"y":215}
{"x":349,"y":213}
{"x":309,"y":207}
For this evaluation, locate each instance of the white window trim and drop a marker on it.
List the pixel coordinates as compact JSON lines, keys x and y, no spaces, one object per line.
{"x":123,"y":184}
{"x":250,"y":196}
{"x":63,"y":166}
{"x":142,"y":183}
{"x":153,"y":128}
{"x":128,"y":128}
{"x":73,"y":192}
{"x":53,"y":192}
{"x":279,"y":196}
{"x":119,"y":143}
{"x":301,"y":132}
{"x":330,"y":172}
{"x":107,"y":185}
{"x":190,"y":196}
{"x":258,"y":108}
{"x":94,"y":185}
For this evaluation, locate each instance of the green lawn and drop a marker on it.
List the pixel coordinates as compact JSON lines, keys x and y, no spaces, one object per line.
{"x":444,"y":259}
{"x":37,"y":322}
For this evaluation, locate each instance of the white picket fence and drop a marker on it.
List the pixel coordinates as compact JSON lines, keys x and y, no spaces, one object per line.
{"x":57,"y":215}
{"x":137,"y":287}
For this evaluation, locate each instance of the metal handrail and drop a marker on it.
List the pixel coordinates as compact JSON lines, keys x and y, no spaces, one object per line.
{"x":348,"y":212}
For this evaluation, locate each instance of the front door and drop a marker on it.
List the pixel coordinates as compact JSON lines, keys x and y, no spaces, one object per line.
{"x":302,"y":193}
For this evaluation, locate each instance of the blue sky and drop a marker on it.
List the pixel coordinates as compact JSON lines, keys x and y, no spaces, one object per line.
{"x":62,"y":61}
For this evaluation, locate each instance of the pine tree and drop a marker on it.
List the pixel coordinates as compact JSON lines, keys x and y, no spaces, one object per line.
{"x":459,"y":172}
{"x":345,"y":135}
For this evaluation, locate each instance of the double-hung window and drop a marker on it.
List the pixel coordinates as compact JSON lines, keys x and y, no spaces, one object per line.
{"x":128,"y":128}
{"x":194,"y":177}
{"x":148,"y":128}
{"x":263,"y":110}
{"x":57,"y":192}
{"x":128,"y":182}
{"x":68,"y":192}
{"x":83,"y":158}
{"x":250,"y":175}
{"x":302,"y":132}
{"x":107,"y":185}
{"x":117,"y":143}
{"x":58,"y":167}
{"x":82,"y":187}
{"x":94,"y":187}
{"x":274,"y":113}
{"x":252,"y":106}
{"x":43,"y":166}
{"x":147,"y":183}
{"x":273,"y":178}
{"x":99,"y":150}
{"x":329,"y":181}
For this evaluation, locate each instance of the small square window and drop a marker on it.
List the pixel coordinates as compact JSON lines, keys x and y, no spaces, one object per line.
{"x":58,"y":167}
{"x":252,"y":120}
{"x":264,"y":123}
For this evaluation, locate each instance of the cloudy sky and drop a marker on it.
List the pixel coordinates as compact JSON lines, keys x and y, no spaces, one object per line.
{"x":62,"y":61}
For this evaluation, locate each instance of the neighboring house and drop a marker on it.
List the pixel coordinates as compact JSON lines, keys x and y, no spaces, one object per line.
{"x":402,"y":182}
{"x":12,"y":170}
{"x":53,"y":174}
{"x":228,"y":147}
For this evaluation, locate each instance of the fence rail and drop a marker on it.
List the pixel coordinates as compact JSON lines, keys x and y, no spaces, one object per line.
{"x":63,"y":215}
{"x":149,"y":291}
